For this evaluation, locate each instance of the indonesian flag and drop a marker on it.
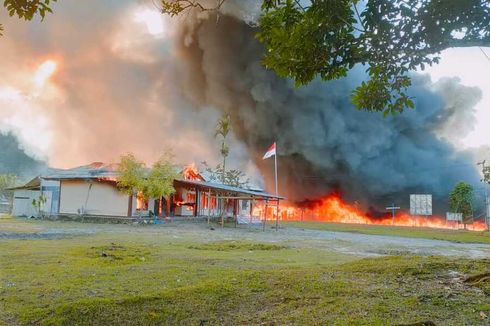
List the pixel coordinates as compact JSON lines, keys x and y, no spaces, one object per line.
{"x":270,"y":152}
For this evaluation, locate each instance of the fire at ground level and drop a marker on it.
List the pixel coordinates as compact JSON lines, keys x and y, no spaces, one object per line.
{"x":92,"y":190}
{"x":332,"y":208}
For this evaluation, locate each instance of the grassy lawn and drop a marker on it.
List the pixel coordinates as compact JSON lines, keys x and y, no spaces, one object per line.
{"x":145,"y":276}
{"x":400,"y":231}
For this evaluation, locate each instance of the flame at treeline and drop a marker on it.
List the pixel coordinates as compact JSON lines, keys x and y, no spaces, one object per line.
{"x":332,"y":208}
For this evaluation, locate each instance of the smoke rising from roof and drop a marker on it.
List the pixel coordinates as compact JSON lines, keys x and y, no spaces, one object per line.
{"x":119,"y":88}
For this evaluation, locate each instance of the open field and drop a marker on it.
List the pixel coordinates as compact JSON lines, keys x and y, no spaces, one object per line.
{"x":399,"y":231}
{"x":59,"y":273}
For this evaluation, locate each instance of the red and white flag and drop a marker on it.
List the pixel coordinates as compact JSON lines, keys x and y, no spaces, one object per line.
{"x":270,"y":152}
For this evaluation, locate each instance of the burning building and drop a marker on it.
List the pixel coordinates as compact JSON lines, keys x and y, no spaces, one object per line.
{"x":91,"y":190}
{"x":178,"y":80}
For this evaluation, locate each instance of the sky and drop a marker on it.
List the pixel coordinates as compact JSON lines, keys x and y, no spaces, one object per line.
{"x":473,"y":68}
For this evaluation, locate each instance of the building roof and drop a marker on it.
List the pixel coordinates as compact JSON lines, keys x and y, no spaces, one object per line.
{"x":96,"y":170}
{"x":34,"y":184}
{"x":219,"y":186}
{"x":101,"y":171}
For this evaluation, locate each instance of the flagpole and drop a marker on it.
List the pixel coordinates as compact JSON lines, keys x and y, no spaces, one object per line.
{"x":277,"y":193}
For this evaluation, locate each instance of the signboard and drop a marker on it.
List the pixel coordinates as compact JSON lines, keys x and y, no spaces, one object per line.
{"x":421,"y":204}
{"x":454,"y":217}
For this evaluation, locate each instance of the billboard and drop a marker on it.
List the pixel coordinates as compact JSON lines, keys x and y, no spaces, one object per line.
{"x":421,"y":204}
{"x":450,"y":216}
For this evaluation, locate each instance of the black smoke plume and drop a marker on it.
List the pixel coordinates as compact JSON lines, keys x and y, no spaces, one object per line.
{"x":324,"y":143}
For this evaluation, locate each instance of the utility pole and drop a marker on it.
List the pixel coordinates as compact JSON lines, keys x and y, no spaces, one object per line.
{"x":393,"y":209}
{"x":487,"y":218}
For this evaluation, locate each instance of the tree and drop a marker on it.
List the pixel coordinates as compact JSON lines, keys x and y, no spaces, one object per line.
{"x":134,"y":178}
{"x":306,"y":39}
{"x":39,"y":203}
{"x":27,"y":9}
{"x":486,"y":174}
{"x":460,"y":200}
{"x":131,"y":174}
{"x":223,"y":127}
{"x":234,"y":177}
{"x":7,"y":181}
{"x":159,"y":182}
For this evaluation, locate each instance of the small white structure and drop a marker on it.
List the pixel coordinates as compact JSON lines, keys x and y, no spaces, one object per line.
{"x":34,"y":190}
{"x":450,"y":216}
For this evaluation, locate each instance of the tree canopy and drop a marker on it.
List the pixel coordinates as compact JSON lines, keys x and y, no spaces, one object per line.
{"x":232,"y":177}
{"x":159,"y":182}
{"x":7,"y":181}
{"x":131,"y":174}
{"x":27,"y":9}
{"x":319,"y":38}
{"x":461,"y":198}
{"x":222,"y":129}
{"x":156,"y":182}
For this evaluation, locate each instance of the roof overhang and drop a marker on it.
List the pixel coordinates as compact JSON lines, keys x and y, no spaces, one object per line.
{"x":238,"y":193}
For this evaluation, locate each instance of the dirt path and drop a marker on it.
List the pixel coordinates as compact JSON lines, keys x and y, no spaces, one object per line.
{"x":350,"y":243}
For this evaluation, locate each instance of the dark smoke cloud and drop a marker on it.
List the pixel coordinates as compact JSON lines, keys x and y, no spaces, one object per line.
{"x":13,"y":159}
{"x":324,"y":143}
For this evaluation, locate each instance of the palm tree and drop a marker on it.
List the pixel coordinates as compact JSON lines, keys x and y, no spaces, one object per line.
{"x":223,"y":127}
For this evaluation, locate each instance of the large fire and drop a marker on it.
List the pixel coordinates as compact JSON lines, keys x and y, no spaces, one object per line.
{"x":333,"y":209}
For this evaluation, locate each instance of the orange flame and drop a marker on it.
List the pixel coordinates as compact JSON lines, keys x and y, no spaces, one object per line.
{"x":190,"y":172}
{"x":333,"y":209}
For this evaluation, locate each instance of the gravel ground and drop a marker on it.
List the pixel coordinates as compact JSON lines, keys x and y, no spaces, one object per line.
{"x":349,"y":243}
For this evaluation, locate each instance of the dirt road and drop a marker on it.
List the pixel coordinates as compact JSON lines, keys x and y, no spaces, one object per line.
{"x":350,"y":243}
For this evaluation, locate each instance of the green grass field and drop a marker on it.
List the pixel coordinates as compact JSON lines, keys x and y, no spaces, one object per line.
{"x":400,"y":231}
{"x":170,"y":275}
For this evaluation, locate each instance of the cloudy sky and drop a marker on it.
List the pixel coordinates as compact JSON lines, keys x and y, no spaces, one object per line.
{"x":473,"y":68}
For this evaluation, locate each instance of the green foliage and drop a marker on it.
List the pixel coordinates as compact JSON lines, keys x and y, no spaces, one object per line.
{"x":149,"y":276}
{"x":327,"y":38}
{"x":236,"y":245}
{"x":461,"y":198}
{"x":319,"y":38}
{"x":232,"y":177}
{"x":131,"y":174}
{"x":486,"y":174}
{"x":223,"y":128}
{"x":159,"y":182}
{"x":175,"y":7}
{"x":39,"y":203}
{"x":27,"y":9}
{"x":7,"y":181}
{"x":153,"y":183}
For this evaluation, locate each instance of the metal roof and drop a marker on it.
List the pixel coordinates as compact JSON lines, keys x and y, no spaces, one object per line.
{"x":99,"y":170}
{"x":34,"y":184}
{"x":220,"y":186}
{"x":91,"y":171}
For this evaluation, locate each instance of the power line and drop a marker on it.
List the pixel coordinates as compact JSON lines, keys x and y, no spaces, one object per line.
{"x":484,"y":53}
